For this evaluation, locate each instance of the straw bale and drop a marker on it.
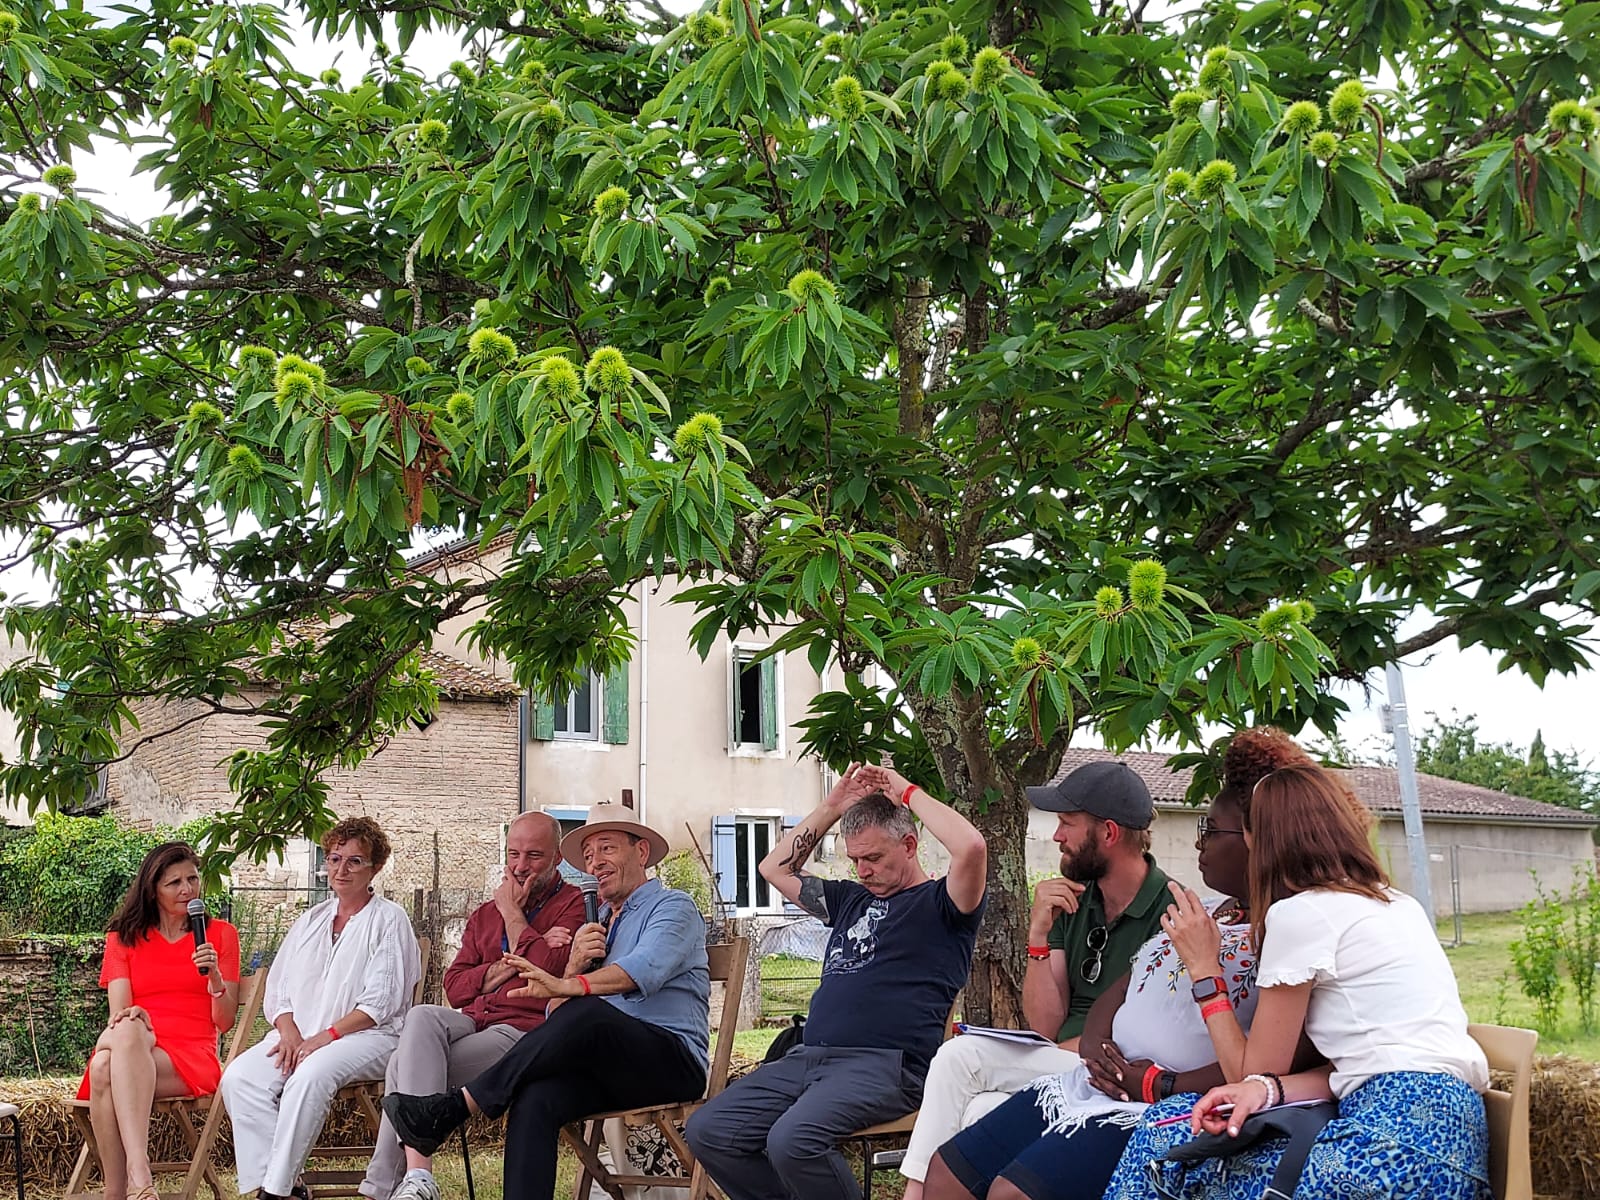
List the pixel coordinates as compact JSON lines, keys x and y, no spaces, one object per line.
{"x":1564,"y":1134}
{"x":51,"y":1143}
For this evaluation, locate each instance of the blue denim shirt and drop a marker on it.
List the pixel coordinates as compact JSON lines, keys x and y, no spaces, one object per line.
{"x":659,"y":938}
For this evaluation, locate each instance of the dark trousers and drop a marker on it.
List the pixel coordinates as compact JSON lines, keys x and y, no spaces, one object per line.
{"x":587,"y":1058}
{"x":775,"y":1133}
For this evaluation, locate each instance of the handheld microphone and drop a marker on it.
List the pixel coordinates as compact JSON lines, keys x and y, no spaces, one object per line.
{"x":197,"y":922}
{"x":591,"y":911}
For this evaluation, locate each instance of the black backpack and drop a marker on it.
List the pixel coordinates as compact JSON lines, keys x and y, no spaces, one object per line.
{"x":791,"y":1036}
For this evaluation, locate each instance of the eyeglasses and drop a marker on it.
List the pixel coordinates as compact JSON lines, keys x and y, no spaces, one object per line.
{"x":354,"y":861}
{"x":1096,"y":941}
{"x":1206,"y":828}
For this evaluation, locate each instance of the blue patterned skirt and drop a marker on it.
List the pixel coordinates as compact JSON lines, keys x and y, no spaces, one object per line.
{"x":1400,"y":1134}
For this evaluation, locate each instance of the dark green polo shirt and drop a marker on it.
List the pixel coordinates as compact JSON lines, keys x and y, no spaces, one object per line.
{"x":1139,"y":922}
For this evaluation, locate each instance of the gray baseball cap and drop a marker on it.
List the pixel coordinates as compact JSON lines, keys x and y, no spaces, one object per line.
{"x":1110,"y":790}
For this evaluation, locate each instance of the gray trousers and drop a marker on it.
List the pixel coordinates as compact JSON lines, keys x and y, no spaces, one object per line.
{"x":775,"y":1133}
{"x":439,"y":1049}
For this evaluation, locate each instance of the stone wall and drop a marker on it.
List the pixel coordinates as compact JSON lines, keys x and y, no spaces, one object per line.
{"x":457,"y":778}
{"x":51,"y":1004}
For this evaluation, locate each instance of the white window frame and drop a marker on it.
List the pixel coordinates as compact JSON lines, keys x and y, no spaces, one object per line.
{"x":597,"y":711}
{"x":739,"y":655}
{"x":744,"y":843}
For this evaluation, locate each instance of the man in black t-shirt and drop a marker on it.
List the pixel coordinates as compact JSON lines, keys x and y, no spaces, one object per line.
{"x":900,"y":950}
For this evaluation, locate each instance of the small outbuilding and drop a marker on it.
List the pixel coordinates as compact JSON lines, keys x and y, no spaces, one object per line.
{"x":1489,"y":851}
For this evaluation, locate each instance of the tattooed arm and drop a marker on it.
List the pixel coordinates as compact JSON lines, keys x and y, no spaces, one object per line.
{"x":784,"y":867}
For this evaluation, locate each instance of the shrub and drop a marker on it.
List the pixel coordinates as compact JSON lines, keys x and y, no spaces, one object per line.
{"x":1537,"y":957}
{"x":682,"y":870}
{"x":68,"y":874}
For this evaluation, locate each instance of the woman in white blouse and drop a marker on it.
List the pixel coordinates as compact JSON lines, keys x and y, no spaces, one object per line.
{"x":336,"y":993}
{"x":1358,"y":967}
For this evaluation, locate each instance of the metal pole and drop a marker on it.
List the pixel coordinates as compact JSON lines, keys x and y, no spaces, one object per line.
{"x":1410,"y":802}
{"x":1455,"y":890}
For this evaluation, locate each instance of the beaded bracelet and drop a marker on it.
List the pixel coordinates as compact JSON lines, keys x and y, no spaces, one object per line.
{"x":1274,"y":1091}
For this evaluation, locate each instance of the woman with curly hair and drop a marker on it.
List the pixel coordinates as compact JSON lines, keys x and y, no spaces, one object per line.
{"x":337,"y":991}
{"x":1357,"y":967}
{"x":1146,"y":1036}
{"x":169,"y":999}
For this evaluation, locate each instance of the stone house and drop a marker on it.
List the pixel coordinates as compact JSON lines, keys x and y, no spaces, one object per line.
{"x":706,"y":750}
{"x":451,"y":782}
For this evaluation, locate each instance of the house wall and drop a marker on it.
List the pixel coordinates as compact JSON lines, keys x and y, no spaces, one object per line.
{"x":1496,"y":866}
{"x":683,"y":775}
{"x":1495,"y":862}
{"x":457,"y":777}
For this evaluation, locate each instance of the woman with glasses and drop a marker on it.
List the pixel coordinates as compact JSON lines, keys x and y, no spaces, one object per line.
{"x":1146,"y":1038}
{"x":340,"y":984}
{"x":1356,"y":967}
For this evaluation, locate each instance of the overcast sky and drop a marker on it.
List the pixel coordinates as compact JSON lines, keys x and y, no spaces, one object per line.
{"x":1443,"y":681}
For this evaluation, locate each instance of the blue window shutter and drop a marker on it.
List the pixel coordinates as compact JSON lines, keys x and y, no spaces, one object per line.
{"x":724,"y":856}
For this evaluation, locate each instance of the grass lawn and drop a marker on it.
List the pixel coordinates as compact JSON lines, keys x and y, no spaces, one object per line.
{"x":787,"y":982}
{"x":1489,"y":986}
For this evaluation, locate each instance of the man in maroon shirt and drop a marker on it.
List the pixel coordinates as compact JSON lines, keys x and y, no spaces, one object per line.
{"x":533,"y":913}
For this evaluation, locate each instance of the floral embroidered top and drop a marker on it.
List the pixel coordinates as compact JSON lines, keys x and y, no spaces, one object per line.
{"x":1158,"y":1020}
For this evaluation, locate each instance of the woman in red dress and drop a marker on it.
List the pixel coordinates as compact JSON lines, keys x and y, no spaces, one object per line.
{"x":169,"y":1001}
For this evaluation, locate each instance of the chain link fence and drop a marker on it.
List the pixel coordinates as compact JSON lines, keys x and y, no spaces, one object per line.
{"x":786,"y":950}
{"x":1470,"y":877}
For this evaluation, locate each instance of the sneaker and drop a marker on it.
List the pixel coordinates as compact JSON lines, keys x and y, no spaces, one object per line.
{"x":424,"y":1122}
{"x":417,"y":1185}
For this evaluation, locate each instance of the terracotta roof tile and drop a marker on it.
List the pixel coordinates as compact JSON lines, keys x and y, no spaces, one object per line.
{"x":461,"y":550}
{"x":458,"y":680}
{"x":1378,"y":787}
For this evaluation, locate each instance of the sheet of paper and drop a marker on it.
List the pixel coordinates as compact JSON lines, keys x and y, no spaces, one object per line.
{"x":1026,"y":1036}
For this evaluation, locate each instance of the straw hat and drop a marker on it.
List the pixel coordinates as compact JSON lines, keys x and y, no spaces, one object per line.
{"x":608,"y":816}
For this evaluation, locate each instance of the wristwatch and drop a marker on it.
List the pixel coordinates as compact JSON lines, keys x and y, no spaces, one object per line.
{"x":1208,"y":989}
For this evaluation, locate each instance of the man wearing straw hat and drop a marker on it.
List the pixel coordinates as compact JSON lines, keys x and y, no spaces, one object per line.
{"x":628,"y":1024}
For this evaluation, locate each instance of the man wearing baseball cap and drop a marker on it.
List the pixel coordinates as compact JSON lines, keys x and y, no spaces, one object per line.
{"x":1083,"y":931}
{"x":628,"y":1023}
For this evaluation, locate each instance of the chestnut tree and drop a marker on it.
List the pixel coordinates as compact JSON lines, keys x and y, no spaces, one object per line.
{"x":1083,"y":367}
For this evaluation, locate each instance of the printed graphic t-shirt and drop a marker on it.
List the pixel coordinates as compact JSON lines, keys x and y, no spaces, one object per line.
{"x":892,"y":969}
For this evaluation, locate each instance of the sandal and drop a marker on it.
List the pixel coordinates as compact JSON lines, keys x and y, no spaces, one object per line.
{"x":300,"y":1191}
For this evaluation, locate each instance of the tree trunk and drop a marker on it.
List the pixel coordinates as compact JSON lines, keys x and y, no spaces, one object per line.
{"x":957,"y":732}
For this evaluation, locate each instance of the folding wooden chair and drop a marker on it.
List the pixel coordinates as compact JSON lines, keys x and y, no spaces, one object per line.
{"x":185,"y":1112}
{"x":10,"y":1112}
{"x":1509,"y":1050}
{"x":366,"y":1095}
{"x":888,"y":1130}
{"x":728,"y":961}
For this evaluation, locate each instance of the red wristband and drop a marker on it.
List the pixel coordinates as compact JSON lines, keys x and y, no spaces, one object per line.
{"x":1038,"y":951}
{"x":333,"y":1032}
{"x":905,"y":796}
{"x":583,"y":982}
{"x":1147,"y":1087}
{"x":1211,"y":1008}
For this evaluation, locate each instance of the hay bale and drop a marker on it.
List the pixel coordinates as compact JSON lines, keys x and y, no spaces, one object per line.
{"x":51,"y":1143}
{"x":1564,"y":1133}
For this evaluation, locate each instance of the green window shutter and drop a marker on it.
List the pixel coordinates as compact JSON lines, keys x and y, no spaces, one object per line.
{"x":769,"y":703}
{"x":616,"y":702}
{"x":735,"y":662}
{"x":542,"y":726}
